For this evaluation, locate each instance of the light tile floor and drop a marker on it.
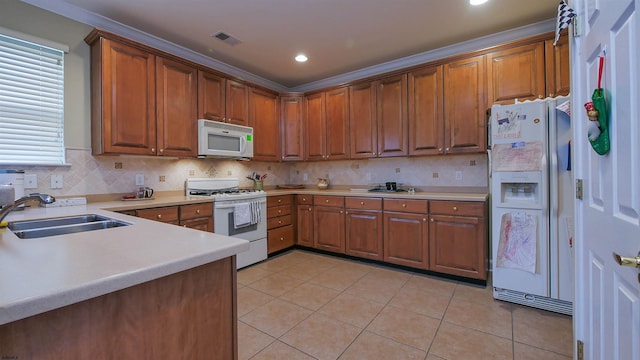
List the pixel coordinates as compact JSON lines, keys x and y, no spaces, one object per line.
{"x":303,"y":305}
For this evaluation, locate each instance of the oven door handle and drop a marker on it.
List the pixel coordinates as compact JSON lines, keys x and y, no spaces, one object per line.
{"x":231,"y":206}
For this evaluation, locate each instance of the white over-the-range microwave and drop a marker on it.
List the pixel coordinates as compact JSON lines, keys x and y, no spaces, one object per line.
{"x":221,"y":140}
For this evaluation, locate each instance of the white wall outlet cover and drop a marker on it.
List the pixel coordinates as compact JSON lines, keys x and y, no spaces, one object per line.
{"x":139,"y":179}
{"x":30,"y":181}
{"x":56,"y":182}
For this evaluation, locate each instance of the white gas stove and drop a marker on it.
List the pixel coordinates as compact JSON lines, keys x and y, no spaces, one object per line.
{"x":237,"y":212}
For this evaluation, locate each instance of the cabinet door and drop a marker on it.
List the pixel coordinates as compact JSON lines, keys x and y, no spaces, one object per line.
{"x":328,"y":224}
{"x":237,"y":103}
{"x":465,"y":106}
{"x":406,"y":239}
{"x":305,"y":225}
{"x":363,"y":233}
{"x":337,"y":122}
{"x":124,"y":105}
{"x":211,"y":99}
{"x":516,"y":73}
{"x":557,"y":67}
{"x":314,"y":121}
{"x":362,"y":121}
{"x":392,"y":116}
{"x":266,"y":128}
{"x":426,"y":126}
{"x":177,"y":108}
{"x":204,"y":224}
{"x":291,"y":128}
{"x":458,"y":246}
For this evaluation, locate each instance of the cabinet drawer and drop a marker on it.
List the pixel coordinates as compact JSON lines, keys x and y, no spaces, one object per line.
{"x":278,"y":211}
{"x":280,"y":238}
{"x":204,"y":224}
{"x":323,"y":200}
{"x":278,"y":200}
{"x":305,"y":199}
{"x":279,"y":221}
{"x":460,"y":208}
{"x":363,"y":203}
{"x":402,"y":205}
{"x":195,"y":211}
{"x":164,"y":214}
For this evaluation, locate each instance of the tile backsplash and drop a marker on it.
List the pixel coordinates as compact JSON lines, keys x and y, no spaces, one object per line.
{"x":89,"y":175}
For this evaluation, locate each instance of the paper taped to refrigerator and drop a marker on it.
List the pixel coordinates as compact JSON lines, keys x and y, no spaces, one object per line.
{"x":518,"y":244}
{"x":507,"y":124}
{"x":517,"y":156}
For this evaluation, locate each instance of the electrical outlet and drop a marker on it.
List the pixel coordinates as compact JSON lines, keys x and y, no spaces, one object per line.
{"x":368,"y":176}
{"x":305,"y":177}
{"x":435,"y":175}
{"x":192,"y":172}
{"x":118,"y":165}
{"x":458,"y":175}
{"x":139,"y":179}
{"x":162,"y":178}
{"x":56,"y":182}
{"x":472,"y":163}
{"x":30,"y":181}
{"x":229,"y":172}
{"x":397,"y":170}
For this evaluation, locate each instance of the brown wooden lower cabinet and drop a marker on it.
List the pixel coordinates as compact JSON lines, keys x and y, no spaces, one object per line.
{"x":280,"y":231}
{"x":304,"y":215}
{"x":363,"y":227}
{"x":187,"y":315}
{"x":328,"y":223}
{"x":458,"y":238}
{"x":406,"y":239}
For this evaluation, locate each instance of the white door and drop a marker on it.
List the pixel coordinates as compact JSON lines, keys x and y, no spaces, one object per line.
{"x":607,"y":299}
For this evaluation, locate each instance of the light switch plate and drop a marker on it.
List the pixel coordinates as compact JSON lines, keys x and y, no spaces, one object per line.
{"x":139,"y":179}
{"x":56,"y":182}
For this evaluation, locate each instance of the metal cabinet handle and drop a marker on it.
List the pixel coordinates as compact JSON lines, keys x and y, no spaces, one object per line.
{"x":326,"y":201}
{"x":279,"y":222}
{"x":439,"y":149}
{"x":341,"y":212}
{"x":346,"y":213}
{"x":361,"y":202}
{"x":161,"y":151}
{"x":455,"y":208}
{"x":309,"y":209}
{"x":446,"y":149}
{"x":304,"y":199}
{"x":197,"y":211}
{"x":153,"y":150}
{"x":431,"y":220}
{"x":279,"y":201}
{"x":404,"y":205}
{"x":425,"y":219}
{"x":627,"y":260}
{"x":279,"y":211}
{"x":159,"y":216}
{"x":281,"y":239}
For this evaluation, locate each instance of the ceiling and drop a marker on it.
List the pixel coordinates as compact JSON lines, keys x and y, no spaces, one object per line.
{"x":338,"y":36}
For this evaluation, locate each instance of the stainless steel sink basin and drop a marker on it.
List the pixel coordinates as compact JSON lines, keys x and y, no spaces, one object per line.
{"x":30,"y":229}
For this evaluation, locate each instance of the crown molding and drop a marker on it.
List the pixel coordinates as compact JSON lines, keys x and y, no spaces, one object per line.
{"x":98,"y":21}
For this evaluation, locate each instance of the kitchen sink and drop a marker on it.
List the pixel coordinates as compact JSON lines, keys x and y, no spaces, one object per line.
{"x":30,"y":229}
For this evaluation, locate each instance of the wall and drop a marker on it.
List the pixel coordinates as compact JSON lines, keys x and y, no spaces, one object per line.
{"x":85,"y":174}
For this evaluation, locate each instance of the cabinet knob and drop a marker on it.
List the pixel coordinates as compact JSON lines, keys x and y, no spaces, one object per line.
{"x":550,"y":94}
{"x":446,"y":149}
{"x":439,"y":149}
{"x":281,"y":239}
{"x":279,"y":211}
{"x":404,"y":205}
{"x":153,"y":150}
{"x":161,"y":151}
{"x":326,"y":201}
{"x":431,"y":220}
{"x":341,"y":212}
{"x":361,"y":202}
{"x":539,"y":96}
{"x":159,"y":216}
{"x":184,"y":225}
{"x":309,"y":209}
{"x":346,"y":212}
{"x":304,"y":199}
{"x":279,"y":222}
{"x":455,"y":208}
{"x":197,"y":211}
{"x":279,"y":201}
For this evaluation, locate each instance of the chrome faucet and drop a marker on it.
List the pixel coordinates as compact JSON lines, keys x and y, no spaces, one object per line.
{"x":42,"y":198}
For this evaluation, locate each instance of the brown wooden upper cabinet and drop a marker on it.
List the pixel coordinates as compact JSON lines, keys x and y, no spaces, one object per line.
{"x":363,"y":128}
{"x":557,"y":67}
{"x":516,"y":73}
{"x":221,"y":99}
{"x":142,"y":104}
{"x":392,"y":116}
{"x":426,"y":124}
{"x":291,"y":128}
{"x":177,"y":106}
{"x":327,"y":125}
{"x":465,"y":106}
{"x":264,"y":118}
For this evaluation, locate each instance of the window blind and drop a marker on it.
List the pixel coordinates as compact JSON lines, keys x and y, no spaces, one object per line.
{"x":31,"y":103}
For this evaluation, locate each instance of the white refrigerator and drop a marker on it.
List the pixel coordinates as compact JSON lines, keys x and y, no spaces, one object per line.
{"x":532,"y":204}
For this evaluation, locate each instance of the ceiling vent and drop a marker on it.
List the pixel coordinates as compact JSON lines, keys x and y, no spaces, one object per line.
{"x":226,"y":38}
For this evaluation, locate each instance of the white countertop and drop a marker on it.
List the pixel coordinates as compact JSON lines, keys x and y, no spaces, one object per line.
{"x":38,"y":275}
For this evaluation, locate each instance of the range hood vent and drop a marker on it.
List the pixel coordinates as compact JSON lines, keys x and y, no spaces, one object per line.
{"x":222,"y":36}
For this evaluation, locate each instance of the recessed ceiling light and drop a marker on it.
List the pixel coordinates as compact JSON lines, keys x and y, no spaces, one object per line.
{"x":477,"y":2}
{"x":301,"y":58}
